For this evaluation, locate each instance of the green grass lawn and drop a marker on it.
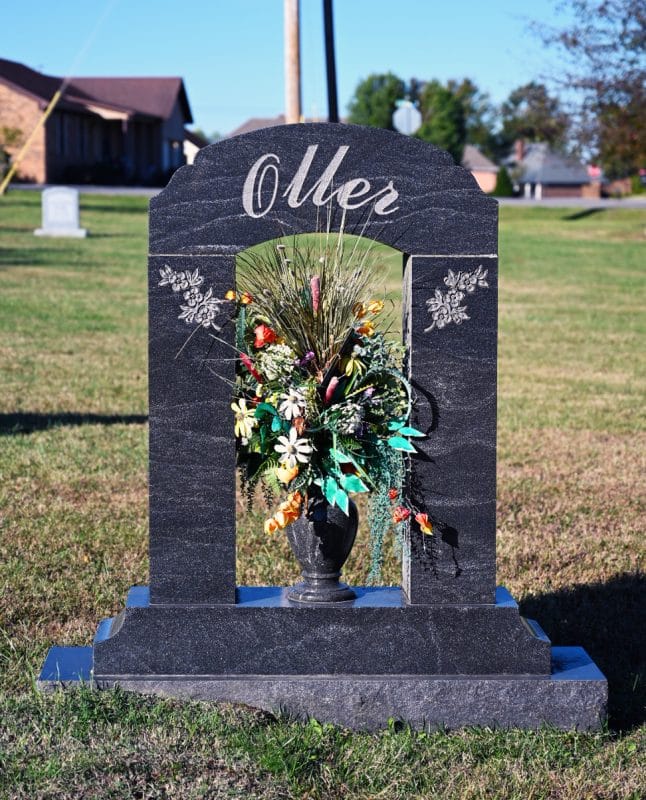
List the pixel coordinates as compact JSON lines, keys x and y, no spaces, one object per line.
{"x":73,"y":525}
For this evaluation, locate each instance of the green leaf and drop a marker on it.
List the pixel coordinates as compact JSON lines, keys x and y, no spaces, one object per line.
{"x":330,"y":489}
{"x":265,"y":408}
{"x":395,"y":425}
{"x":399,"y":443}
{"x":410,"y":432}
{"x":352,"y":483}
{"x":343,"y":501}
{"x":276,"y":424}
{"x":340,"y":456}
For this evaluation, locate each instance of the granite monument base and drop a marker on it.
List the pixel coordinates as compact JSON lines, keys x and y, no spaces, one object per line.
{"x":497,"y":677}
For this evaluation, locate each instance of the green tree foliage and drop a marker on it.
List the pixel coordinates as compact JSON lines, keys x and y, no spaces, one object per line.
{"x":531,"y":113}
{"x":603,"y":59}
{"x":374,"y":99}
{"x":504,"y":186}
{"x":443,"y":119}
{"x":479,"y":115}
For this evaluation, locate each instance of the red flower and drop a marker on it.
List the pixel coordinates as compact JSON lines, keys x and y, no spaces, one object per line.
{"x":264,"y":335}
{"x":393,"y":494}
{"x":400,"y":514}
{"x":250,"y":367}
{"x":334,"y":382}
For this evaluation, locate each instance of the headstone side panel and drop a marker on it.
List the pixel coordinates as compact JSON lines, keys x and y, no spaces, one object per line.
{"x":450,"y":321}
{"x":192,"y":447}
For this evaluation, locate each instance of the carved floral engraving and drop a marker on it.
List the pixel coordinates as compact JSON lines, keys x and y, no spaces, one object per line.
{"x":445,"y":307}
{"x":200,"y":308}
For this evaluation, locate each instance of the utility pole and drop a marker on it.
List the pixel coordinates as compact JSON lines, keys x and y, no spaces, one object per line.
{"x":328,"y":22}
{"x":292,"y":62}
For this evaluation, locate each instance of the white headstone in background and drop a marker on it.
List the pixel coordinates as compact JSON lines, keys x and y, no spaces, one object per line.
{"x":61,"y":213}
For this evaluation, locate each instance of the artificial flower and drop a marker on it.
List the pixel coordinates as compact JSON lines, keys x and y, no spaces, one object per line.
{"x":293,"y":449}
{"x":277,"y":362}
{"x":331,"y":387}
{"x":250,"y":367}
{"x":246,"y":298}
{"x":424,"y":524}
{"x":359,"y":310}
{"x":245,"y":420}
{"x":299,"y":424}
{"x":285,"y":518}
{"x":271,"y":526}
{"x":286,"y":474}
{"x":352,"y":365}
{"x":400,"y":514}
{"x":366,"y":328}
{"x":375,"y":306}
{"x":315,"y":289}
{"x":264,"y":335}
{"x":230,"y":295}
{"x":292,"y":405}
{"x":393,"y":494}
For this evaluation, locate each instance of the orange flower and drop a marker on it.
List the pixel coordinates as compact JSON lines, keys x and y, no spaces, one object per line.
{"x":367,"y":328}
{"x":230,"y":295}
{"x":359,"y":310}
{"x":264,"y":335}
{"x":271,"y":526}
{"x":393,"y":493}
{"x":246,"y":298}
{"x":285,"y":518}
{"x":400,"y":514}
{"x":285,"y":474}
{"x":425,"y":525}
{"x":299,"y":424}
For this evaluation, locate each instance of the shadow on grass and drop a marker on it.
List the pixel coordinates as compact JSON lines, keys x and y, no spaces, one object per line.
{"x":11,"y":424}
{"x":607,"y":619}
{"x":582,"y":214}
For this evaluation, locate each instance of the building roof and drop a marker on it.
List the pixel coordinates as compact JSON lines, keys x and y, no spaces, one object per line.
{"x":195,"y":138}
{"x":541,"y":165}
{"x":256,"y":123}
{"x":153,"y":97}
{"x":475,"y":161}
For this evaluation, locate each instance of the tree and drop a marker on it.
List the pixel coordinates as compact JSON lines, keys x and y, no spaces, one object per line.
{"x":530,"y":113}
{"x":602,"y":57}
{"x":504,"y":185}
{"x":479,"y":115}
{"x":443,"y":119}
{"x":374,"y":100}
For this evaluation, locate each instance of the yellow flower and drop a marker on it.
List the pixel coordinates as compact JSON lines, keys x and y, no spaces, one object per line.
{"x":366,"y":329}
{"x":246,"y":298}
{"x":285,"y":518}
{"x":271,"y":526}
{"x":230,"y":295}
{"x":352,"y":364}
{"x":375,"y":306}
{"x":285,"y":474}
{"x":245,"y":420}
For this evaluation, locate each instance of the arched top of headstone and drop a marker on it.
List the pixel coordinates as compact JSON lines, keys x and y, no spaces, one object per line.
{"x":287,"y":179}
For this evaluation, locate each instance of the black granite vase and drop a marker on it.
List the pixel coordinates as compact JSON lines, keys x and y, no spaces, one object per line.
{"x":321,"y":539}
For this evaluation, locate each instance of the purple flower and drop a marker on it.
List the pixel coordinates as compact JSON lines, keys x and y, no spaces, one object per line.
{"x":306,"y":359}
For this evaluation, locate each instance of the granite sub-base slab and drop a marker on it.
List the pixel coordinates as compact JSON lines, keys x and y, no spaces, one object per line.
{"x":573,"y":696}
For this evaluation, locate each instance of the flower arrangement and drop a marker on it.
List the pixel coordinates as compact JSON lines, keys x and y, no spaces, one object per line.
{"x":320,"y":402}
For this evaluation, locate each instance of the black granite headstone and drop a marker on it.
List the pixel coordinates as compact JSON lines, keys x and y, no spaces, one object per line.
{"x":447,"y":633}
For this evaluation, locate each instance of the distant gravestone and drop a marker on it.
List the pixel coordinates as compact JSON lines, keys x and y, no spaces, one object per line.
{"x":448,"y":647}
{"x":60,"y":208}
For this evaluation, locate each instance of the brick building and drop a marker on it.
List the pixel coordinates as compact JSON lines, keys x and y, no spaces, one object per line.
{"x":103,"y":130}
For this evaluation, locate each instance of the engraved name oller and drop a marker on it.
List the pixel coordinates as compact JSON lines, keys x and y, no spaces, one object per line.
{"x":263,"y":183}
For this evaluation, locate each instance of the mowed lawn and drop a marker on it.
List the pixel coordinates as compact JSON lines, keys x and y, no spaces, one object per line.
{"x":73,"y":525}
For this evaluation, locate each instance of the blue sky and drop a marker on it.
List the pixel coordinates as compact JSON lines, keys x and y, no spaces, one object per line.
{"x":230,"y":52}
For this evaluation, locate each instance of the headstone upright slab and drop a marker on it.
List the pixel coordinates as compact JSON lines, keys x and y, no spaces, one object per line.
{"x":445,"y":648}
{"x":60,"y":209}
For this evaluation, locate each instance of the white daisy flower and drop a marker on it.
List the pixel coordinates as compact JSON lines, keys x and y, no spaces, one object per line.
{"x":292,"y":405}
{"x":293,"y":449}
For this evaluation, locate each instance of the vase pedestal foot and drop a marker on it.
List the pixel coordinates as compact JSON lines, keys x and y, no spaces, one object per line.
{"x":315,"y":592}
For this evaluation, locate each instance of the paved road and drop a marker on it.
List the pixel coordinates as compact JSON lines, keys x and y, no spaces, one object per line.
{"x":638,"y":201}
